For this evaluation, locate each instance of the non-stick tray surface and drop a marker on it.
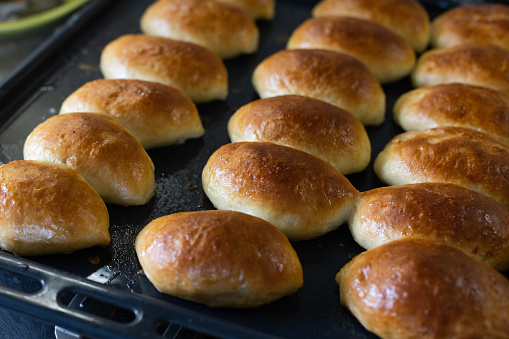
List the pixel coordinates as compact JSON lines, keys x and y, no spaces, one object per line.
{"x":313,"y":312}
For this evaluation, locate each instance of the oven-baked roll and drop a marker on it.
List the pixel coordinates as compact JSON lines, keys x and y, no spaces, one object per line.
{"x":444,"y":213}
{"x":49,"y":208}
{"x":156,"y":114}
{"x":478,"y":65}
{"x":225,"y":29}
{"x":407,"y":18}
{"x":460,"y":105}
{"x":487,"y":23}
{"x":387,"y":55}
{"x":219,"y":258}
{"x":258,"y":9}
{"x":450,"y":155}
{"x":193,"y":69}
{"x":336,"y":78}
{"x":109,"y":157}
{"x":421,"y":289}
{"x":310,"y":125}
{"x":300,"y":194}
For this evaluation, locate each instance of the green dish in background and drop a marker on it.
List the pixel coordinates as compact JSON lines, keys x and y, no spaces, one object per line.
{"x":40,"y":19}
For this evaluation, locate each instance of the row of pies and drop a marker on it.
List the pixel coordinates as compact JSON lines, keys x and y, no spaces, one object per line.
{"x":147,"y":99}
{"x":283,"y":178}
{"x":412,"y":281}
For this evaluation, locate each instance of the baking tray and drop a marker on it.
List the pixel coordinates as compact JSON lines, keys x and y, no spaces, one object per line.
{"x":110,"y":277}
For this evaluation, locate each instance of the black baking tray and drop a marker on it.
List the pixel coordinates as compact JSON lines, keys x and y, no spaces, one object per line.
{"x":44,"y":287}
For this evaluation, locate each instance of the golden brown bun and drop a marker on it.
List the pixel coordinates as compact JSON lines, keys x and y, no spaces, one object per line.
{"x":258,"y":9}
{"x":478,"y":65}
{"x":156,"y":114}
{"x":300,"y":194}
{"x":193,"y":69}
{"x":487,"y":23}
{"x":451,"y":155}
{"x":387,"y":55}
{"x":49,"y":208}
{"x":101,"y":150}
{"x":224,"y":29}
{"x":460,"y":105}
{"x":420,"y":289}
{"x":323,"y":75}
{"x":219,"y":258}
{"x":407,"y":18}
{"x":310,"y":125}
{"x":444,"y":213}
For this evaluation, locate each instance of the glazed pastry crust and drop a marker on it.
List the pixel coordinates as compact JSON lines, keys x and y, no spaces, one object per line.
{"x":101,"y":150}
{"x":444,"y":213}
{"x":219,"y":258}
{"x":224,"y":29}
{"x":193,"y":69}
{"x":488,"y":23}
{"x":479,"y":65}
{"x":407,"y":18}
{"x":310,"y":125}
{"x":156,"y":114}
{"x":420,"y":289}
{"x":387,"y":55}
{"x":460,"y":105}
{"x":48,"y":208}
{"x":258,"y":9}
{"x":449,"y":155}
{"x":300,"y":194}
{"x":336,"y":78}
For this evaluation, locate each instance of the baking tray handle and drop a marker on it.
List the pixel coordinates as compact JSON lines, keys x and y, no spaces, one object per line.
{"x":47,"y":302}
